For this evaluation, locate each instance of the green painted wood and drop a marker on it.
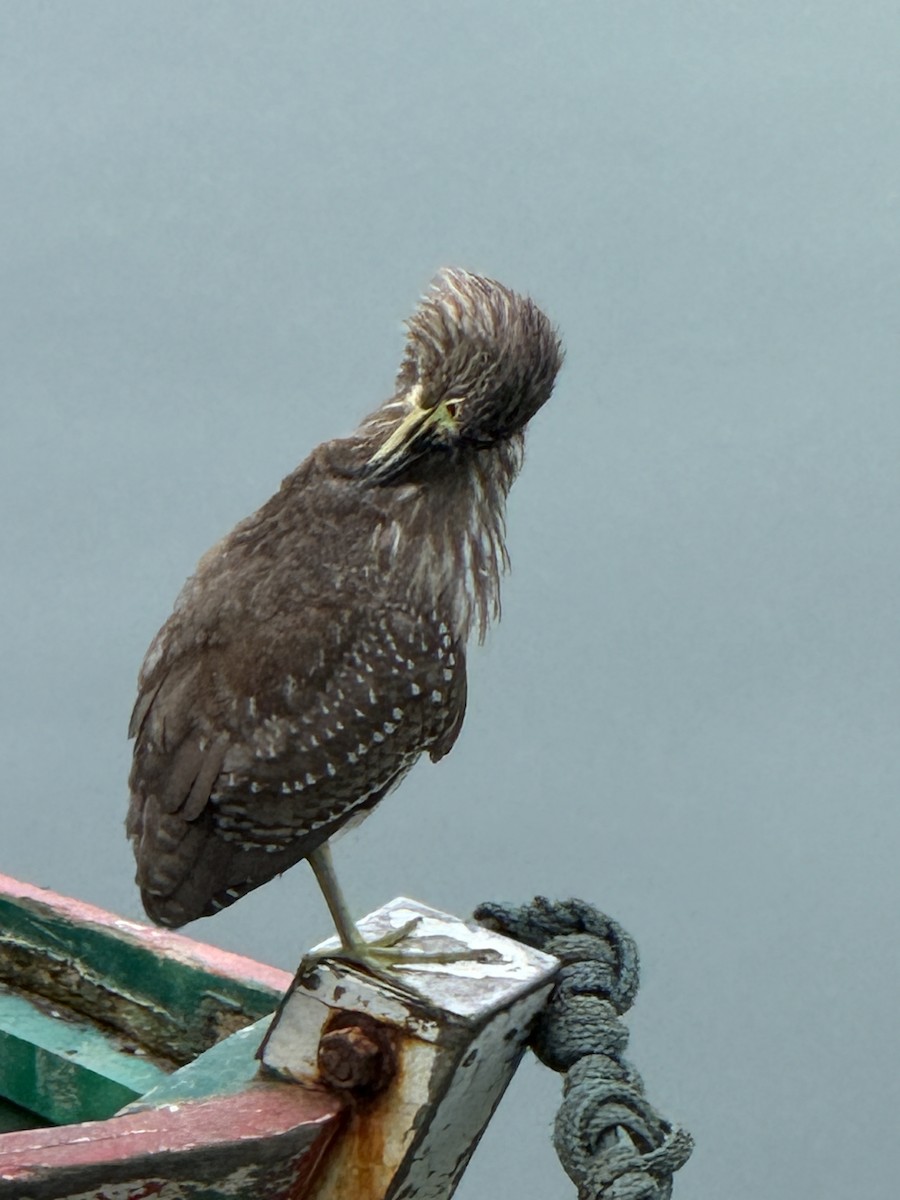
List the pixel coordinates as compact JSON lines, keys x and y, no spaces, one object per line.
{"x":66,"y":1069}
{"x":154,"y":995}
{"x":229,"y":1067}
{"x":12,"y":1117}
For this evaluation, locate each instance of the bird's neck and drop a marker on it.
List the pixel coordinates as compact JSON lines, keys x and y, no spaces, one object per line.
{"x":443,"y":534}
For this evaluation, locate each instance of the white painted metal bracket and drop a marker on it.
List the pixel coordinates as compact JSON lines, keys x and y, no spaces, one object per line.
{"x":442,"y":1044}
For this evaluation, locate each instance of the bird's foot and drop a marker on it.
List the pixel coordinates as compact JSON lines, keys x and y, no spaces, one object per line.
{"x":383,"y":955}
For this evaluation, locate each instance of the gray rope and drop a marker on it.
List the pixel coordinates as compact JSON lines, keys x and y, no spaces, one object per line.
{"x":611,"y":1141}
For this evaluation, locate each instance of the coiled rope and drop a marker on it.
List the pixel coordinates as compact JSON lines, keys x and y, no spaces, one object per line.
{"x":610,"y":1140}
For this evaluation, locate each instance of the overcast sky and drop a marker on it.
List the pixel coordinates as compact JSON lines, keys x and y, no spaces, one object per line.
{"x":213,"y":219}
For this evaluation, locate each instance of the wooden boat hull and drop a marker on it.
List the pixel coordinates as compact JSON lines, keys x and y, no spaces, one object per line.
{"x":114,"y":1009}
{"x":143,"y":1064}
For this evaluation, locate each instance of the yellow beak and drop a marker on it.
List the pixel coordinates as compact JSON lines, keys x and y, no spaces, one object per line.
{"x":415,"y":422}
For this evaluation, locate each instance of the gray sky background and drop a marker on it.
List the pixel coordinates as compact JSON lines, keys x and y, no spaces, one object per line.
{"x":213,"y":218}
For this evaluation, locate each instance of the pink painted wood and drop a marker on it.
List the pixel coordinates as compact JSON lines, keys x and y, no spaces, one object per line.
{"x":263,"y":1142}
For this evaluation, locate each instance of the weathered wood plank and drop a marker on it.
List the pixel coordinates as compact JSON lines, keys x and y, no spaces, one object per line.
{"x":228,"y":1067}
{"x":169,"y":994}
{"x":65,"y":1068}
{"x":263,"y":1142}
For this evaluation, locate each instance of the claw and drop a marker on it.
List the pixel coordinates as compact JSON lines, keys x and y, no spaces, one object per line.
{"x":396,"y":935}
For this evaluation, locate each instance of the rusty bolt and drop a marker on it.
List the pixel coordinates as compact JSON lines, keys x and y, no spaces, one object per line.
{"x":356,"y":1054}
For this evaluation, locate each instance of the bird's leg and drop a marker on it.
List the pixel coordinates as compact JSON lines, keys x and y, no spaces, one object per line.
{"x":382,"y":951}
{"x":352,"y":942}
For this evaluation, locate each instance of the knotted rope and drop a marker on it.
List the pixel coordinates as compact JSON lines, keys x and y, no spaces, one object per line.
{"x":610,"y":1140}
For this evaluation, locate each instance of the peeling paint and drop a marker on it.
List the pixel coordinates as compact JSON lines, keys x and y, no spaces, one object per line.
{"x":460,"y":1035}
{"x":170,"y":996}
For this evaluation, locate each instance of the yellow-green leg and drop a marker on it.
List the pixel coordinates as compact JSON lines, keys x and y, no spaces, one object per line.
{"x":381,"y":952}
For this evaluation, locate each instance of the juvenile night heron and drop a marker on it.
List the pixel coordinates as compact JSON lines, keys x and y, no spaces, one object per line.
{"x":319,"y":649}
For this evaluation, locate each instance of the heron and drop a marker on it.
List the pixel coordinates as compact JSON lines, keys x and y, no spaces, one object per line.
{"x":319,"y":649}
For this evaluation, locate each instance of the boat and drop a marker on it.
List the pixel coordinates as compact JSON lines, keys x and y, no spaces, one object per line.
{"x":136,"y":1062}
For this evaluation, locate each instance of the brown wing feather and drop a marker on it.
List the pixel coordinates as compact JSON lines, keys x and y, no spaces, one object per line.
{"x":251,"y":753}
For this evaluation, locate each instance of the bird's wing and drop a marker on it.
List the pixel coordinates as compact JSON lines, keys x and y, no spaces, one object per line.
{"x":250,"y":752}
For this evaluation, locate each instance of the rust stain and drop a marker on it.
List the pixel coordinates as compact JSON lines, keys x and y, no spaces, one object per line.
{"x":367,"y":1131}
{"x":355,"y":1165}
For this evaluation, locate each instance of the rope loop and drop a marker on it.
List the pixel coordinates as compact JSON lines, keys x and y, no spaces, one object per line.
{"x":610,"y":1140}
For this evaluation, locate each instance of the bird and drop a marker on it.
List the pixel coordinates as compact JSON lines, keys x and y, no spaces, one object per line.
{"x":319,"y":649}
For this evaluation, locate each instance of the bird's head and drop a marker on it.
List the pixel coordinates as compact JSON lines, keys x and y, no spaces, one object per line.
{"x":480,"y":361}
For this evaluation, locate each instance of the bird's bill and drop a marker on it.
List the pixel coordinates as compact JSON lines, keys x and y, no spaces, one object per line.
{"x":419,"y":420}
